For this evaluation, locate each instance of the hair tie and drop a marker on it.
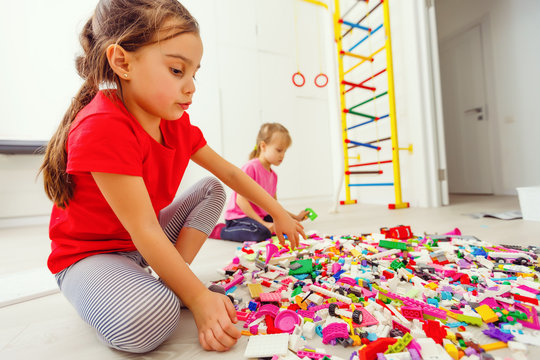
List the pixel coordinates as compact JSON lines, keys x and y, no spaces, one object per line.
{"x":255,"y":148}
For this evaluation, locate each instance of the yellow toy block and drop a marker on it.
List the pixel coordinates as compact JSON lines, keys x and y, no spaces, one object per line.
{"x":431,"y":286}
{"x":494,"y":346}
{"x":450,"y":335}
{"x":487,"y":314}
{"x":255,"y":290}
{"x":452,"y":350}
{"x":355,"y":253}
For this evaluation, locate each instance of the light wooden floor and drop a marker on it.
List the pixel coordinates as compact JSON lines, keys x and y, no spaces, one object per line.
{"x":48,"y":327}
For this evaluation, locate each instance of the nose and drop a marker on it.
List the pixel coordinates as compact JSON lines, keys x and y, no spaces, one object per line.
{"x":189,"y":86}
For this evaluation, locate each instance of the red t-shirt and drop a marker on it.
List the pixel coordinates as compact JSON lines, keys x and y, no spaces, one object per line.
{"x":104,"y":137}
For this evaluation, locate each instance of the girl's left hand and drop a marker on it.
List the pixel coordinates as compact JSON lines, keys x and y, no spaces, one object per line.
{"x":286,"y":225}
{"x":302,"y":215}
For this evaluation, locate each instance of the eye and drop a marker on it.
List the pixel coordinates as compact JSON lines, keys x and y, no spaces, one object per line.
{"x":176,"y":72}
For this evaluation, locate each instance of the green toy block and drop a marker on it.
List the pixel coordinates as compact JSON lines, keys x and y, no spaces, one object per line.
{"x":396,"y":264}
{"x":305,"y":268}
{"x":473,"y":320}
{"x":312,"y":214}
{"x":387,"y":244}
{"x":400,"y":344}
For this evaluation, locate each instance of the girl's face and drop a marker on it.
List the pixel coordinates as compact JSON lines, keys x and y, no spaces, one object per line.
{"x":161,"y":77}
{"x":273,"y":153}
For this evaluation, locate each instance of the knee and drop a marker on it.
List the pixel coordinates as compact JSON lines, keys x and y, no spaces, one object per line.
{"x":215,"y":189}
{"x":146,"y":328}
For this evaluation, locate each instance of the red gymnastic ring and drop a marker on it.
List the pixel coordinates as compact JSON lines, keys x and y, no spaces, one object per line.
{"x":325,"y":80}
{"x":295,"y":75}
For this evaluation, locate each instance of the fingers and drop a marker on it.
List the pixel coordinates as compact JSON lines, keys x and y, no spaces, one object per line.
{"x":229,"y":332}
{"x":231,"y":311}
{"x":280,"y":238}
{"x":221,"y":336}
{"x":209,"y":341}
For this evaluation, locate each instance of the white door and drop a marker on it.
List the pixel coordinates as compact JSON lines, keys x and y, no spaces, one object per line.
{"x":465,"y":119}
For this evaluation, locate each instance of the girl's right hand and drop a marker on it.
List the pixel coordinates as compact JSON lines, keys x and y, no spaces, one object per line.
{"x":286,"y":225}
{"x":215,"y":317}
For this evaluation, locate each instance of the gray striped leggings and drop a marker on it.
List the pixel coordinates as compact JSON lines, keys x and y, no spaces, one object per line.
{"x":130,"y":309}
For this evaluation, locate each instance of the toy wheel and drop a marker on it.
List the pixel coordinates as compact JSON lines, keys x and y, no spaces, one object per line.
{"x":321,"y":80}
{"x":340,"y":291}
{"x":332,"y":309}
{"x":357,"y":317}
{"x":296,"y":76}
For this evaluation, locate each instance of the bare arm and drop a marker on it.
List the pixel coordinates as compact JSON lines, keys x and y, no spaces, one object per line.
{"x":246,"y":207}
{"x":237,"y":180}
{"x":129,"y":199}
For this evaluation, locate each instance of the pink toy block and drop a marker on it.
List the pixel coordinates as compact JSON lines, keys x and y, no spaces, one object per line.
{"x":306,"y":313}
{"x":271,"y":250}
{"x":529,"y":289}
{"x":237,"y":280}
{"x":412,"y":312}
{"x":347,"y":280}
{"x":532,"y":316}
{"x":334,"y":330}
{"x":367,"y":318}
{"x":286,"y":320}
{"x":312,"y":355}
{"x":241,"y":315}
{"x":270,"y":297}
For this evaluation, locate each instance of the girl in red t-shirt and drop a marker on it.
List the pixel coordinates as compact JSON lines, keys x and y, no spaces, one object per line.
{"x":113,"y":168}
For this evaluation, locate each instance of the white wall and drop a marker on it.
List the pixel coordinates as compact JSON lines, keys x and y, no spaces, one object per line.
{"x":512,"y":33}
{"x":245,"y":80}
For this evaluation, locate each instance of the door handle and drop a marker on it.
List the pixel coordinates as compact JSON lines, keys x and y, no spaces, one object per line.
{"x":475,"y":110}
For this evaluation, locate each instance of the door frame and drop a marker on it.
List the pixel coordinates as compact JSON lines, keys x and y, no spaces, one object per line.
{"x":484,"y":25}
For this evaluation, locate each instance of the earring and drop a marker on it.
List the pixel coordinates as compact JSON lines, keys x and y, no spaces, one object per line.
{"x":125,"y":75}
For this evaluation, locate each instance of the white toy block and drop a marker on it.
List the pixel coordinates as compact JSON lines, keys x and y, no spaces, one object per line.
{"x":398,"y":356}
{"x":296,"y":342}
{"x":431,"y":350}
{"x":267,"y":345}
{"x":531,"y":338}
{"x":291,"y":356}
{"x":308,"y":330}
{"x":323,"y":291}
{"x":517,"y":346}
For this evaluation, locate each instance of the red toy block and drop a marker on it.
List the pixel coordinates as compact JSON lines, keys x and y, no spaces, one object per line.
{"x":434,"y":330}
{"x":400,"y":232}
{"x":370,"y":351}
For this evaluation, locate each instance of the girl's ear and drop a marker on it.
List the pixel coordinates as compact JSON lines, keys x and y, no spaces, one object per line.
{"x":262,"y":146}
{"x":119,"y":60}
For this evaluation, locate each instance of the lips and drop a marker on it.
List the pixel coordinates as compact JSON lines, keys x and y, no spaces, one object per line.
{"x":185,"y":106}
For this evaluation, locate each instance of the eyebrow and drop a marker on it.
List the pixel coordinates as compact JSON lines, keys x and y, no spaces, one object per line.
{"x":182,"y":57}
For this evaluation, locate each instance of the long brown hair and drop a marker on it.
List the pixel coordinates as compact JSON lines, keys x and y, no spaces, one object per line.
{"x":265,"y":134}
{"x":131,"y":24}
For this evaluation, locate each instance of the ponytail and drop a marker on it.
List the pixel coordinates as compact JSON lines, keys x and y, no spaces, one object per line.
{"x":56,"y":181}
{"x":255,"y":152}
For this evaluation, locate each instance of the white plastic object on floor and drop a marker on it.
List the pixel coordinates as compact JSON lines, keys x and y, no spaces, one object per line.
{"x":267,"y":345}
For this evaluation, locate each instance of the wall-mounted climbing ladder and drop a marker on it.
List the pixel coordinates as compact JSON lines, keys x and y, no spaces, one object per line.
{"x":361,"y":45}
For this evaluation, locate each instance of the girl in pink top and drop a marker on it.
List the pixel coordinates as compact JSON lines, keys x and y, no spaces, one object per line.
{"x":245,"y":221}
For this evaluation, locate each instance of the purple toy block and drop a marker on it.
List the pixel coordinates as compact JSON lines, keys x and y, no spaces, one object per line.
{"x":495,"y":333}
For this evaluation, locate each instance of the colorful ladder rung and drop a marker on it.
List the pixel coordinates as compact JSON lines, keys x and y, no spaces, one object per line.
{"x":373,"y":184}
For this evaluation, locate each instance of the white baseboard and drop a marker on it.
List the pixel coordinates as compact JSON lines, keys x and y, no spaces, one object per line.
{"x":26,"y":285}
{"x":24,"y":221}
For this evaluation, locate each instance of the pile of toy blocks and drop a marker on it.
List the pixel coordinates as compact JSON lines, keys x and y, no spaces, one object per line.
{"x":389,"y":295}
